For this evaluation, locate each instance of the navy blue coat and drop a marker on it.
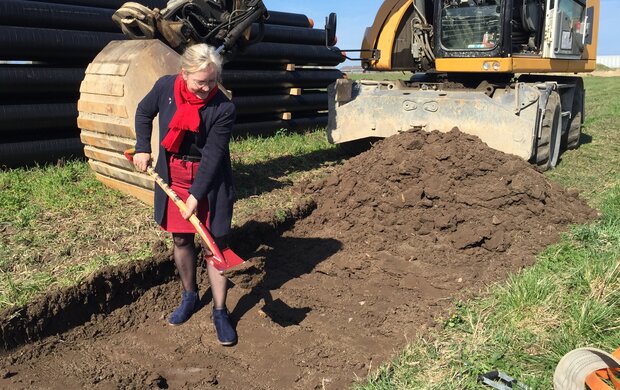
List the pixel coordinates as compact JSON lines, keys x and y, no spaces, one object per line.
{"x":214,"y":177}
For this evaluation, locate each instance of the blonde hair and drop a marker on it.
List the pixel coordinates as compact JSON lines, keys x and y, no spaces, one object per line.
{"x":199,"y":57}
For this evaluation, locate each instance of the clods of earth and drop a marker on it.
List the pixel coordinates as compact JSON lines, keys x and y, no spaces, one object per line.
{"x":377,"y":253}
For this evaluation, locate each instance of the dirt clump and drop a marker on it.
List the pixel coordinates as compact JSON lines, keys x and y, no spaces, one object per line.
{"x":394,"y":236}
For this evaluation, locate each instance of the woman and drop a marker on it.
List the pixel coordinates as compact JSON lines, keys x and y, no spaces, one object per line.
{"x":195,"y":124}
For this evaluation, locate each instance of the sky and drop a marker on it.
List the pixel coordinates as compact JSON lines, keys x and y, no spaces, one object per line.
{"x":355,"y":16}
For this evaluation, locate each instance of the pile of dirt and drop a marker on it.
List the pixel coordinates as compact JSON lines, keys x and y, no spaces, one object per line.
{"x":446,"y":199}
{"x":394,"y":236}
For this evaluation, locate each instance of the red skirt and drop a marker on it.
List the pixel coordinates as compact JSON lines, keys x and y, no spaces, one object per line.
{"x":182,"y":175}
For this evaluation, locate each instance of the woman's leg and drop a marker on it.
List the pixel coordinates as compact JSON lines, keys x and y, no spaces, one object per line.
{"x":219,"y":286}
{"x":226,"y":334}
{"x":185,"y":259}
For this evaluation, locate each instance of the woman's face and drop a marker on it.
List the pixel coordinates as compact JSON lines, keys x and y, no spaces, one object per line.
{"x":201,"y":82}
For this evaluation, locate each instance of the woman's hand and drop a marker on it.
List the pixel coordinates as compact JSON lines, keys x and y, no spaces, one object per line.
{"x":141,"y":161}
{"x":191,"y":204}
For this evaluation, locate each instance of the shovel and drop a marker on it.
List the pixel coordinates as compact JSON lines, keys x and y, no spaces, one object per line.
{"x":221,"y":260}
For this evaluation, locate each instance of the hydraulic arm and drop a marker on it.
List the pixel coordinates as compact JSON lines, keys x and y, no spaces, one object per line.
{"x":224,"y":24}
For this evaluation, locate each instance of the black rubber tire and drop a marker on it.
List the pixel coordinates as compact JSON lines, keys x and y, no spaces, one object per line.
{"x":548,"y":145}
{"x":573,"y":135}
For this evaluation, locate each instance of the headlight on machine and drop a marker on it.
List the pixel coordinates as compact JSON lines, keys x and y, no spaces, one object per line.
{"x":488,"y":65}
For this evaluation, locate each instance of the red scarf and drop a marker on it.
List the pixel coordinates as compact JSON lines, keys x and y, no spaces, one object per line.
{"x":186,"y":117}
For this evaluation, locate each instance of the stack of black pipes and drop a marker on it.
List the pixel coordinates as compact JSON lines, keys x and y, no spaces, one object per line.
{"x":45,"y":47}
{"x":284,"y":76}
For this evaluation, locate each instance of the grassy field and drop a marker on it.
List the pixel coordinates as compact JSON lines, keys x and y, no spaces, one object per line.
{"x":58,"y":224}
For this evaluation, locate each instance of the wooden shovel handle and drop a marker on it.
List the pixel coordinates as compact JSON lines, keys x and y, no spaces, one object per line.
{"x":200,"y":228}
{"x":203,"y":232}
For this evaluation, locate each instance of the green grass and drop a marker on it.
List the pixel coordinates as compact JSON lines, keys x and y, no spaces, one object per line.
{"x":593,"y":168}
{"x":58,"y":224}
{"x":570,"y":298}
{"x":266,"y":167}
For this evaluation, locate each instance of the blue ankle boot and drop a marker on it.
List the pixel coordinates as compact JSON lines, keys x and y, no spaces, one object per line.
{"x":226,"y":334}
{"x":186,"y":309}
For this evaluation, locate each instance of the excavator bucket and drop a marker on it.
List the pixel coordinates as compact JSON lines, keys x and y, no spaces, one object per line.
{"x":115,"y":82}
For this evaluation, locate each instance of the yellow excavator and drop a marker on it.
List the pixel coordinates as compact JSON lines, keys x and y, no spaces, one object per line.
{"x":498,"y":69}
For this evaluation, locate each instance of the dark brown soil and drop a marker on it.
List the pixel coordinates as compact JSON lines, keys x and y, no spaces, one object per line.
{"x":392,"y":239}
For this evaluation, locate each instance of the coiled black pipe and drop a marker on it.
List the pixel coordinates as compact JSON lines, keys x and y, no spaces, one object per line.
{"x":288,"y":53}
{"x":63,"y":46}
{"x":267,"y":78}
{"x":275,"y":17}
{"x":264,"y":127}
{"x":40,"y":151}
{"x":287,"y":34}
{"x":33,"y":116}
{"x":26,"y":80}
{"x":67,"y":17}
{"x":289,"y":19}
{"x":280,"y":103}
{"x":111,"y":4}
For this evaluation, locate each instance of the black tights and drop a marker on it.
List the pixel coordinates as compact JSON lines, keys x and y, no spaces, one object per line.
{"x":185,"y":259}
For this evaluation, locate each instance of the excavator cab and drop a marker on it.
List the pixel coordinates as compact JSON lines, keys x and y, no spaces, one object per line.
{"x":496,"y":28}
{"x":411,"y":35}
{"x":469,"y":25}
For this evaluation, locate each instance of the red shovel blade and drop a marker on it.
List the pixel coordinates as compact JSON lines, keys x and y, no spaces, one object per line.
{"x":231,"y":260}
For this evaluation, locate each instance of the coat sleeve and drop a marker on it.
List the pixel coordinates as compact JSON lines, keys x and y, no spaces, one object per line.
{"x":145,"y":114}
{"x":214,"y":152}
